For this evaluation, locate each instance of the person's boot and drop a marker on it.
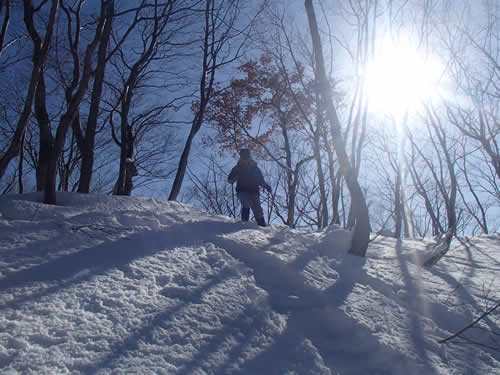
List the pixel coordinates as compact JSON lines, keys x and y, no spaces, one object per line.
{"x":261,"y":222}
{"x":245,"y":214}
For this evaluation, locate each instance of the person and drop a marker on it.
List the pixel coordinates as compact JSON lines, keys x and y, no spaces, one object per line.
{"x":248,"y":178}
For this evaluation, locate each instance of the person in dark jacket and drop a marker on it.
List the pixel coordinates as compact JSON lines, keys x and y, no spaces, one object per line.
{"x":248,"y":178}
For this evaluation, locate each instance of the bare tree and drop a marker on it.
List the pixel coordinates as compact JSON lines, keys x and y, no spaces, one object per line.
{"x":86,"y":138}
{"x":476,"y":72}
{"x":152,"y":24}
{"x":211,"y":190}
{"x":39,"y":59}
{"x":425,"y":192}
{"x":359,"y":207}
{"x":387,"y":161}
{"x":482,"y":126}
{"x":261,"y":110}
{"x":285,"y":44}
{"x":441,"y":167}
{"x":476,"y":209}
{"x":51,"y":147}
{"x":220,"y":31}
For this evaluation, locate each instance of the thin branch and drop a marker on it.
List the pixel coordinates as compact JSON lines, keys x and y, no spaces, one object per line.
{"x":482,"y":316}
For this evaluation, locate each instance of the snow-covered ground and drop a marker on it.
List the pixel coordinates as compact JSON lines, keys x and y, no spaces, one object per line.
{"x":119,"y":285}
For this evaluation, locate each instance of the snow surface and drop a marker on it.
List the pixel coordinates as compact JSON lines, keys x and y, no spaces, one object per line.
{"x":120,"y":285}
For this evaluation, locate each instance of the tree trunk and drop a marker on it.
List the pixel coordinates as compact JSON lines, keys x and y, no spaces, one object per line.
{"x":45,"y":138}
{"x":420,"y":189}
{"x":291,"y":177}
{"x":398,"y":209}
{"x":119,"y":188}
{"x":361,"y":233}
{"x":72,"y":110}
{"x":40,"y":52}
{"x":131,"y":173}
{"x":181,"y":169}
{"x":86,"y":143}
{"x":336,"y":197}
{"x":449,"y":199}
{"x":86,"y":167}
{"x":334,"y":180}
{"x":55,"y":151}
{"x":20,"y":165}
{"x":124,"y":184}
{"x":65,"y":166}
{"x":211,"y":48}
{"x":321,"y":180}
{"x":450,"y":202}
{"x":406,"y":225}
{"x":482,"y":220}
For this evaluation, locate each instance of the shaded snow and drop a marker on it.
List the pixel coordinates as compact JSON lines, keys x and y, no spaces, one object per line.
{"x":119,"y":285}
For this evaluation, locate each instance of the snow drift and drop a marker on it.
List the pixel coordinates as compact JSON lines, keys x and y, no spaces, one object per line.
{"x":120,"y":285}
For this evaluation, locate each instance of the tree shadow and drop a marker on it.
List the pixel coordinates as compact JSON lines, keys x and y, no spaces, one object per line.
{"x":468,"y":245}
{"x":318,"y":316}
{"x":466,"y":298}
{"x":87,"y":263}
{"x":238,"y":329}
{"x":463,"y":295}
{"x":312,"y":314}
{"x":415,"y":291}
{"x":145,"y":331}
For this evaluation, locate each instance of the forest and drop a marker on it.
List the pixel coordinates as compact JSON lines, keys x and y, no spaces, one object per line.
{"x":377,"y":115}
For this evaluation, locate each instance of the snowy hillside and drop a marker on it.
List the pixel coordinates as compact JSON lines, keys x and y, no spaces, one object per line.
{"x":118,"y":285}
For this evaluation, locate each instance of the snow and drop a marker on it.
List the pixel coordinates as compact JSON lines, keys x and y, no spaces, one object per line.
{"x":120,"y":285}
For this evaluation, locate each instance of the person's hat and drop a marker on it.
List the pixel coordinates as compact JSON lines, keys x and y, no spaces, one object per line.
{"x":244,"y":153}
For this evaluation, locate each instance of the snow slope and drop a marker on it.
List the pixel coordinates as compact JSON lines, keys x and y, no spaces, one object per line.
{"x":119,"y":285}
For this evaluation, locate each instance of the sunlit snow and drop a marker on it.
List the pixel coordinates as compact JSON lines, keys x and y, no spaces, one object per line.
{"x":120,"y":285}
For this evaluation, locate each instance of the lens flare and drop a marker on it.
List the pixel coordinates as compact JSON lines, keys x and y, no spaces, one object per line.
{"x":401,"y":77}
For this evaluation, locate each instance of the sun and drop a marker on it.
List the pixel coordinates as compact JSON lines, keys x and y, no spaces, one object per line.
{"x":401,"y":77}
